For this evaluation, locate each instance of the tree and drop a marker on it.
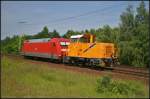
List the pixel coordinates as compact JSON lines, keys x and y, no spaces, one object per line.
{"x":105,"y":34}
{"x":54,"y":34}
{"x":10,"y":45}
{"x":127,"y":24}
{"x":45,"y":30}
{"x":115,"y":35}
{"x":70,"y":33}
{"x":142,"y":14}
{"x":142,"y":33}
{"x":43,"y":34}
{"x":134,"y":50}
{"x":86,"y":31}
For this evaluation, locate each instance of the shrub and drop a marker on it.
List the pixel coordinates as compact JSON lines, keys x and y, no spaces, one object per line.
{"x":104,"y":83}
{"x":107,"y":85}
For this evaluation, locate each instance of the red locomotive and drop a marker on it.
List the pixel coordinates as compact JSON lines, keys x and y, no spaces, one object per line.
{"x":54,"y":48}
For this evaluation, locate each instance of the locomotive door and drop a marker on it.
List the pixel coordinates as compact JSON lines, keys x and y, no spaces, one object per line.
{"x":53,"y":50}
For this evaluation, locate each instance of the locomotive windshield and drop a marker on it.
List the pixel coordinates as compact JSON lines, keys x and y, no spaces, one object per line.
{"x":85,"y":38}
{"x":75,"y":38}
{"x":64,"y":43}
{"x":82,"y":39}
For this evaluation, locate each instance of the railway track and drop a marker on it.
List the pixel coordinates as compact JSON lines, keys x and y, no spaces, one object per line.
{"x":139,"y":72}
{"x":133,"y":72}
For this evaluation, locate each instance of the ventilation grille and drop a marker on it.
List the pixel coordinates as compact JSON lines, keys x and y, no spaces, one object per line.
{"x":109,"y":51}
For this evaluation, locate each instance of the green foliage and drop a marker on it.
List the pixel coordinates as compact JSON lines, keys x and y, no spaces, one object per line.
{"x":54,"y":34}
{"x":105,"y":35}
{"x":10,"y":45}
{"x":107,"y":85}
{"x":42,"y":34}
{"x":103,"y":83}
{"x":127,"y":24}
{"x":71,"y":32}
{"x":134,"y":46}
{"x":142,"y":14}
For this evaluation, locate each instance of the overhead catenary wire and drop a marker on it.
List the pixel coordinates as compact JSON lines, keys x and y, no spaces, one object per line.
{"x":79,"y":15}
{"x":75,"y":17}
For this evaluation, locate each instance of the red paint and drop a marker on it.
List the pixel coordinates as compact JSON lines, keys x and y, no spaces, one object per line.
{"x":51,"y":47}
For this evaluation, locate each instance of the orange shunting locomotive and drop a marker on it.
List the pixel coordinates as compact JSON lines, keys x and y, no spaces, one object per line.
{"x":83,"y":49}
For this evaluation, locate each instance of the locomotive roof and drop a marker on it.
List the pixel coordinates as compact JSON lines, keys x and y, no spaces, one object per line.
{"x":87,"y":35}
{"x":46,"y":40}
{"x":76,"y":36}
{"x":39,"y":40}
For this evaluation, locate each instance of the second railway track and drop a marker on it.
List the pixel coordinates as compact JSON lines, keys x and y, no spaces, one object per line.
{"x":131,"y":71}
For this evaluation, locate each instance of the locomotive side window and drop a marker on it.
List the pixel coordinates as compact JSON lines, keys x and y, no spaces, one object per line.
{"x":74,"y":40}
{"x":84,"y":40}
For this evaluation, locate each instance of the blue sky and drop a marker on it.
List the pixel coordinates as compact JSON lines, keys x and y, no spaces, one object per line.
{"x":37,"y":14}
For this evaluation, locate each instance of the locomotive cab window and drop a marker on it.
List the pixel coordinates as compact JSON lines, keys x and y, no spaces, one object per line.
{"x":74,"y":39}
{"x":83,"y":40}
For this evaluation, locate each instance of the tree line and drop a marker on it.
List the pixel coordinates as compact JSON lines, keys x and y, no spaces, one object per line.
{"x":131,"y":36}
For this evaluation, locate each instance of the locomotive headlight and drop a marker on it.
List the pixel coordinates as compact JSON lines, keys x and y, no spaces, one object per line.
{"x":63,"y":49}
{"x":67,"y":43}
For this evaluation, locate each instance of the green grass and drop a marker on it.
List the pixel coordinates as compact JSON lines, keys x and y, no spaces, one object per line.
{"x":24,"y":79}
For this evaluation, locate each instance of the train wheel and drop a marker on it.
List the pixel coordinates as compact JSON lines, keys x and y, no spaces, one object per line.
{"x":116,"y":61}
{"x":111,"y":65}
{"x":71,"y":62}
{"x":108,"y":63}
